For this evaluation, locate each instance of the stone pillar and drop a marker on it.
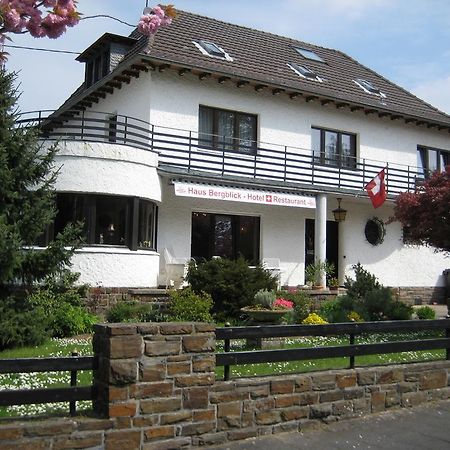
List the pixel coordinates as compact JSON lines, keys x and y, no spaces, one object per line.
{"x":320,"y":233}
{"x":154,"y":380}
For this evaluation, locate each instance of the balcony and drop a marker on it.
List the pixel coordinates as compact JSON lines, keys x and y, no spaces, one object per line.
{"x":184,"y":152}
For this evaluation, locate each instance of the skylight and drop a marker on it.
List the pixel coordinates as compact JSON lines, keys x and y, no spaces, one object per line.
{"x":309,"y":54}
{"x":304,"y":72}
{"x":368,"y":87}
{"x":211,"y":49}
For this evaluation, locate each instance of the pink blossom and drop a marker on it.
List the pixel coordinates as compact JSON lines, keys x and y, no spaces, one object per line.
{"x":149,"y":24}
{"x":158,"y":11}
{"x":13,"y":21}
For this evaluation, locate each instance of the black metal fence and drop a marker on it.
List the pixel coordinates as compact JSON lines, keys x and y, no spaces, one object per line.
{"x":198,"y":153}
{"x":353,"y":349}
{"x":71,"y":394}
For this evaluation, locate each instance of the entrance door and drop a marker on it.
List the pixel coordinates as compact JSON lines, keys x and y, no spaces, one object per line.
{"x":332,"y":251}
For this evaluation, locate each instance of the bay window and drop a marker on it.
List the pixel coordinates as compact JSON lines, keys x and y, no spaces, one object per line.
{"x":109,"y":219}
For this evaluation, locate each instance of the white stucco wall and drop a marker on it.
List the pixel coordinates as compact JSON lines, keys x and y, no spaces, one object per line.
{"x":394,"y":263}
{"x":116,"y":267}
{"x":107,"y":169}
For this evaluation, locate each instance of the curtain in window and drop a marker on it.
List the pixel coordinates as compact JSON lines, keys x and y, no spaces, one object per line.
{"x":205,"y":127}
{"x":246,"y":133}
{"x":331,"y":147}
{"x":225,"y":130}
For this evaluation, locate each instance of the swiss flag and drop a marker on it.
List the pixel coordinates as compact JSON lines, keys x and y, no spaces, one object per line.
{"x":377,"y":189}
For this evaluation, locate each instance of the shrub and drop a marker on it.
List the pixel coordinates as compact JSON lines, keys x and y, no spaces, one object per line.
{"x":314,"y":319}
{"x":302,"y":304}
{"x":20,"y":324}
{"x":133,"y":311}
{"x":337,"y":310}
{"x":353,"y":316}
{"x":425,"y":313}
{"x":231,"y":284}
{"x":186,"y":306}
{"x":400,"y":311}
{"x":364,"y":283}
{"x":265,"y":298}
{"x":66,"y":315}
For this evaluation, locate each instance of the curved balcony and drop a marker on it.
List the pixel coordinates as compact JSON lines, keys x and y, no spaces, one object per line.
{"x":184,"y":151}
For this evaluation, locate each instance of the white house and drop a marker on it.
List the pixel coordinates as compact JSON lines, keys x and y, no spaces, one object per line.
{"x":212,"y":139}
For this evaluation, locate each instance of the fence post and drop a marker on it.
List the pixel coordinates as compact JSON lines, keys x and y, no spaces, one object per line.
{"x":125,"y":130}
{"x":352,"y":358}
{"x":226,"y":348}
{"x":285,"y":163}
{"x":82,"y":125}
{"x":73,"y":383}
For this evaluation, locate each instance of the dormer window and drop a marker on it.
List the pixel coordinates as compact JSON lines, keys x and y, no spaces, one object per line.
{"x":368,"y":87}
{"x":309,"y":54}
{"x":104,"y":55}
{"x":213,"y":50}
{"x":304,"y":72}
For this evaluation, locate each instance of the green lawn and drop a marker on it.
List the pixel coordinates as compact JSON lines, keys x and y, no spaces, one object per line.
{"x":56,"y":348}
{"x":251,"y":370}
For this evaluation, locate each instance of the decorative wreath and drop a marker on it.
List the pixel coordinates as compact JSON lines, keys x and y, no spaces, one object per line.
{"x":375,"y":231}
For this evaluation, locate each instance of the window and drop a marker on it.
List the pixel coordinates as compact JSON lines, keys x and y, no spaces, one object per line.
{"x":304,"y":72}
{"x":309,"y":54}
{"x":333,"y":148}
{"x":221,"y":129}
{"x":97,"y":67}
{"x":211,"y":49}
{"x":108,"y":219}
{"x":431,"y":159}
{"x":225,"y":236}
{"x":368,"y":87}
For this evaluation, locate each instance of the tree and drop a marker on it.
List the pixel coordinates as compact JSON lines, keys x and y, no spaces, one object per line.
{"x":22,"y":16}
{"x":27,"y":200}
{"x":426,"y":213}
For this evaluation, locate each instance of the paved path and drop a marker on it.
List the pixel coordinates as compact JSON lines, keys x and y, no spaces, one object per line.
{"x":423,"y":427}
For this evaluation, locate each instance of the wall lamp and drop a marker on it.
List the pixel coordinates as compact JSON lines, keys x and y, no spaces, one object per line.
{"x":339,"y":213}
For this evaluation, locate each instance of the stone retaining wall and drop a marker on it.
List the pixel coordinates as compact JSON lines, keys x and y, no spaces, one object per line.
{"x":157,"y":391}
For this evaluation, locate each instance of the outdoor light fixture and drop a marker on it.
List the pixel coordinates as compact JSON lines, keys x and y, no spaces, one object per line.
{"x":339,"y":213}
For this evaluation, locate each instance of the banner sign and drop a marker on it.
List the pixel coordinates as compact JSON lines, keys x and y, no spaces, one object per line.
{"x":242,"y":195}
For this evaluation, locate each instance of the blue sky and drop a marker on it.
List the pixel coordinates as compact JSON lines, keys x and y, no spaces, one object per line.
{"x":406,"y":41}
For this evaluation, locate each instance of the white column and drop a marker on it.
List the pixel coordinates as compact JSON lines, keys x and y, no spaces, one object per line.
{"x":320,"y":233}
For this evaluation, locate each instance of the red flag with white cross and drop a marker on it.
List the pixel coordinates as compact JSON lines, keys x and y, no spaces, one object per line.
{"x":377,"y":189}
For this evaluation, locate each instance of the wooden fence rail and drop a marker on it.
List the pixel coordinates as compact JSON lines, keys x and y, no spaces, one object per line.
{"x":70,"y":394}
{"x":228,"y":358}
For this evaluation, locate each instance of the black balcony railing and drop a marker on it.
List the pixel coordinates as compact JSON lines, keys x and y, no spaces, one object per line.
{"x":191,"y":152}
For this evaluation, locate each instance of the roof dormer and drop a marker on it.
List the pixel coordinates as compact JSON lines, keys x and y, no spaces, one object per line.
{"x":104,"y":55}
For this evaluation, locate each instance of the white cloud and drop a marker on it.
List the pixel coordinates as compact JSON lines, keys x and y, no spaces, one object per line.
{"x":436,"y":92}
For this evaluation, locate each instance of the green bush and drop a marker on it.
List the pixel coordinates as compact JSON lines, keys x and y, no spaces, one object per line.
{"x":338,"y":310}
{"x":302,"y":304}
{"x":231,"y":284}
{"x":400,"y":311}
{"x":66,"y":315}
{"x":187,"y":306}
{"x":363,"y":283}
{"x":425,"y":313}
{"x":20,"y":324}
{"x":133,"y":311}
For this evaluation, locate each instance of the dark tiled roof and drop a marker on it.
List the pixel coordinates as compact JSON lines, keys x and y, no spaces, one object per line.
{"x":262,"y":57}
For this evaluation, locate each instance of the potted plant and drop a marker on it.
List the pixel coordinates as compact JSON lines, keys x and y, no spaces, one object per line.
{"x":267,"y":307}
{"x":333,"y":284}
{"x":315,"y":272}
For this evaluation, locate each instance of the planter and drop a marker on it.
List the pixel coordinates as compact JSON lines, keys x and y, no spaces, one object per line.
{"x":272,"y":316}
